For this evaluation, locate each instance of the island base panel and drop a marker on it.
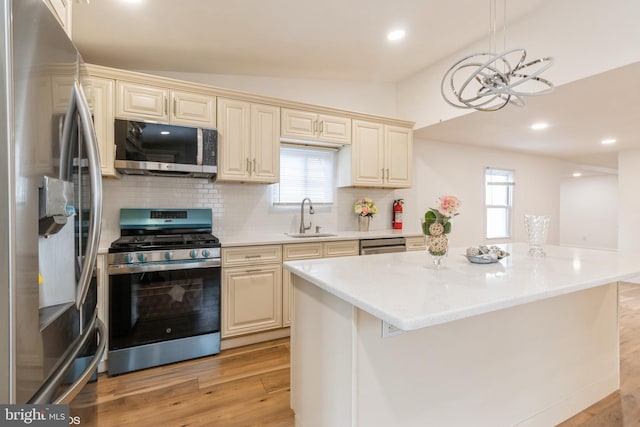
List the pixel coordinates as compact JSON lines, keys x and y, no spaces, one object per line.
{"x":531,"y":365}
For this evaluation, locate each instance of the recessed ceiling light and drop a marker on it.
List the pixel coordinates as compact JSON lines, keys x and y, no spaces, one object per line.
{"x":577,"y":174}
{"x":396,"y":35}
{"x":539,"y":126}
{"x":608,"y":141}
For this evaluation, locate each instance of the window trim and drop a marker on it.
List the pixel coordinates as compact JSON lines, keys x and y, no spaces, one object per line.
{"x":509,"y":208}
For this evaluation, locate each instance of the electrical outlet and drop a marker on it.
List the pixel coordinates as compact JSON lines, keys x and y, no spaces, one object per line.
{"x":388,"y":330}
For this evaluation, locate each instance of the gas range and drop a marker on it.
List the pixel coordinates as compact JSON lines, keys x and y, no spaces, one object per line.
{"x":164,"y":288}
{"x":164,"y":236}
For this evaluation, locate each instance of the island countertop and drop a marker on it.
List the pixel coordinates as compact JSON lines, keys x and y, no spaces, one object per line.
{"x":405,"y":290}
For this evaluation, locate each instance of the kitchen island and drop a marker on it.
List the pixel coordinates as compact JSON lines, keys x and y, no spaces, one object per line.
{"x":389,"y":340}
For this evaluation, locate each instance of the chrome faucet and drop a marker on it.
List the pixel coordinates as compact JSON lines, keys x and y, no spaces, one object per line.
{"x":302,"y":227}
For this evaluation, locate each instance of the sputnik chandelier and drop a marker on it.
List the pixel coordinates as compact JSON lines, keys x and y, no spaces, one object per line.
{"x":488,"y":81}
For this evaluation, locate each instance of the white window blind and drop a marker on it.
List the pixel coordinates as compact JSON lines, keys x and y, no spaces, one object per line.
{"x":499,"y":185}
{"x":305,"y":172}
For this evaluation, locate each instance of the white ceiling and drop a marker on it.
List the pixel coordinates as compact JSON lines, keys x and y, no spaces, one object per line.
{"x":580,"y":115}
{"x":346,"y":40}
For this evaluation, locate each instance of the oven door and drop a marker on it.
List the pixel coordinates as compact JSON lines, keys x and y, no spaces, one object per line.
{"x":163,"y":308}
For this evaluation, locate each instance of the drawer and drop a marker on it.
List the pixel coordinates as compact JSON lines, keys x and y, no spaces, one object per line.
{"x":251,"y":255}
{"x":415,"y":243}
{"x":341,"y":248}
{"x":296,"y":251}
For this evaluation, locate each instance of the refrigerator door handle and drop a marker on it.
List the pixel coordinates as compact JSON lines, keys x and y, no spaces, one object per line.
{"x":44,"y":395}
{"x":79,"y":104}
{"x":75,"y":388}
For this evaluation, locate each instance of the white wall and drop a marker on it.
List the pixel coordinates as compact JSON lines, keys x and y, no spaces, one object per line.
{"x":444,"y":168}
{"x":589,"y":212}
{"x":628,"y":210}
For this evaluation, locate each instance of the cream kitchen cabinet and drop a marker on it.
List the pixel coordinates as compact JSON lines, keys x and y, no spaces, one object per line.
{"x":415,"y":243}
{"x":248,"y":141}
{"x":61,"y":9}
{"x":298,"y":251}
{"x":251,"y":289}
{"x":306,"y":125}
{"x":103,"y":301}
{"x":380,"y":156}
{"x":165,"y":105}
{"x":101,"y":94}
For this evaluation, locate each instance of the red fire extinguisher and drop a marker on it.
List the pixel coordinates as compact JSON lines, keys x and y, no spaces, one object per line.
{"x":397,"y":214}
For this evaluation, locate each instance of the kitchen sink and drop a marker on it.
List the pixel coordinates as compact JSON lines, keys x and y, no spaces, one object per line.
{"x":301,"y":235}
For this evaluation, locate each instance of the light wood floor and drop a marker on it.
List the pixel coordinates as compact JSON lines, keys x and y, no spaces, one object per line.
{"x":249,"y":386}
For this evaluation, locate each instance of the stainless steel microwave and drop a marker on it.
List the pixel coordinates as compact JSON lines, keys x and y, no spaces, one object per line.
{"x":165,"y":150}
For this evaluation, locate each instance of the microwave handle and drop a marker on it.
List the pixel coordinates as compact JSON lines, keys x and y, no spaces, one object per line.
{"x":200,"y":152}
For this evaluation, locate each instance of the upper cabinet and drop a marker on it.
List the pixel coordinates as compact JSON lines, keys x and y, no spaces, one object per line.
{"x":380,"y":156}
{"x":161,"y":104}
{"x":101,"y":95}
{"x":248,"y":141}
{"x":375,"y":151}
{"x":306,"y":125}
{"x":61,"y":9}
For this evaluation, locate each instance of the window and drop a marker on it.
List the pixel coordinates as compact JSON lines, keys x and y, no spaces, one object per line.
{"x":498,"y":203}
{"x":305,"y":172}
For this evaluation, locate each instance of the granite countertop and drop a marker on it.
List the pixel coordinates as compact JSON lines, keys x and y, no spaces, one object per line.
{"x":282,"y":238}
{"x":405,"y":290}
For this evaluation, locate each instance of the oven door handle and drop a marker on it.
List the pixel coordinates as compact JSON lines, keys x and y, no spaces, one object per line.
{"x":161,"y":266}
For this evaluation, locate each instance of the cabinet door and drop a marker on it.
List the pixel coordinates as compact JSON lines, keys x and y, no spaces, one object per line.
{"x":367,"y":155}
{"x":299,"y":124}
{"x":233,"y":140}
{"x":398,"y":156}
{"x":102,"y":94}
{"x":334,"y":129}
{"x":193,"y":109}
{"x":61,"y":9}
{"x":251,"y":299}
{"x":136,"y":101}
{"x":265,"y":143}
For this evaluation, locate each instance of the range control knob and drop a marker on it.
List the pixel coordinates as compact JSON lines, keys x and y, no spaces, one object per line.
{"x":129,"y":258}
{"x":168,"y":255}
{"x":206,"y":253}
{"x":142,"y":257}
{"x":193,"y":254}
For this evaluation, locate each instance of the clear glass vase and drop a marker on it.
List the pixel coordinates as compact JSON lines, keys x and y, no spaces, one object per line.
{"x":537,"y":227}
{"x":437,"y":248}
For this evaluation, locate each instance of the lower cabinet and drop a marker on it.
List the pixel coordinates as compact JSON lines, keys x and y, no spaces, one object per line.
{"x":296,"y":251}
{"x":251,"y":299}
{"x":103,"y":301}
{"x":415,"y":243}
{"x":251,"y":289}
{"x":256,"y":289}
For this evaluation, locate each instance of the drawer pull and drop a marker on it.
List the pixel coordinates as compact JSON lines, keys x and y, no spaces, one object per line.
{"x":257,"y":270}
{"x":253,"y":256}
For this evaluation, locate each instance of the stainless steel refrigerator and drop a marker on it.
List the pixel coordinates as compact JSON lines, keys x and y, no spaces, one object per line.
{"x":50,"y":212}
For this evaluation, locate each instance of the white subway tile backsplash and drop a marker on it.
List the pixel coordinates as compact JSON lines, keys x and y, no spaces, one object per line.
{"x":236,"y":208}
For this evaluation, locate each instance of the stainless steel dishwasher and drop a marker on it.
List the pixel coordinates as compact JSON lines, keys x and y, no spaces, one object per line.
{"x":382,"y":246}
